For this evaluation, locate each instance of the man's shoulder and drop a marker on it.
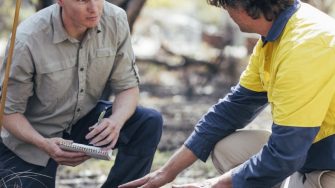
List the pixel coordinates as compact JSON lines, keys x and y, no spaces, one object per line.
{"x":309,"y":19}
{"x":36,"y":24}
{"x":113,"y":11}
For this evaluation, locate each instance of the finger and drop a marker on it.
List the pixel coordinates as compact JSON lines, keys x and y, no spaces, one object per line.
{"x":105,"y":141}
{"x":72,"y":161}
{"x":69,"y":154}
{"x":81,"y":160}
{"x":92,"y":127}
{"x":65,"y":140}
{"x":102,"y":136}
{"x":205,"y":184}
{"x":70,"y":164}
{"x":57,"y":140}
{"x":186,"y":186}
{"x":135,"y":183}
{"x":95,"y":131}
{"x":114,"y":142}
{"x":110,"y":146}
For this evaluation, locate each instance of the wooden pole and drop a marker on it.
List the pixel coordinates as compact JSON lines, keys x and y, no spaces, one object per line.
{"x":9,"y":61}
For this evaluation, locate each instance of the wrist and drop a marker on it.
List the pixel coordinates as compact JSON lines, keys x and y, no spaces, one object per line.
{"x":226,"y":179}
{"x":165,"y":175}
{"x":117,"y":121}
{"x":42,"y":143}
{"x":168,"y":173}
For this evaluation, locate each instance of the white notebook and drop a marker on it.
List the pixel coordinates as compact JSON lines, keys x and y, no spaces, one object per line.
{"x":92,"y":151}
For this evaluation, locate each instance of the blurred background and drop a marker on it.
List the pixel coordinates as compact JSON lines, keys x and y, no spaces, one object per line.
{"x":189,"y":55}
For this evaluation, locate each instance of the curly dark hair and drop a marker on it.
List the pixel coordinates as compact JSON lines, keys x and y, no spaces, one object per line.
{"x":255,"y":8}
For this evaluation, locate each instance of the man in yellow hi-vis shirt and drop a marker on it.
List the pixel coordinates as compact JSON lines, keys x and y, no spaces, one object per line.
{"x":292,"y":68}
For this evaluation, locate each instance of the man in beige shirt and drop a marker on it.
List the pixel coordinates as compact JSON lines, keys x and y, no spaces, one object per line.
{"x":64,"y":58}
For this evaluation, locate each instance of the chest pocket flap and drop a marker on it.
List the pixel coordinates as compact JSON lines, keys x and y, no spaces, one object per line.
{"x":105,"y":52}
{"x":45,"y":66}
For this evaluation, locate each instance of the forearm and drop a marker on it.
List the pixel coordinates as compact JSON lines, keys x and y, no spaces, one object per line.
{"x":20,"y":127}
{"x":182,"y":159}
{"x":124,"y":105}
{"x":234,"y":111}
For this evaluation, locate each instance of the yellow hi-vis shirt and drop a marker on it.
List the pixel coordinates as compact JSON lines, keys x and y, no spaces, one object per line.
{"x":297,"y":71}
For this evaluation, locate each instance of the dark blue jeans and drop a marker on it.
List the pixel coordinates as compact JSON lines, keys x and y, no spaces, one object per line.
{"x":136,"y":145}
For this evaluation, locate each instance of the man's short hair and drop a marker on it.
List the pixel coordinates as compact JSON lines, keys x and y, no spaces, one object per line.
{"x":270,"y":9}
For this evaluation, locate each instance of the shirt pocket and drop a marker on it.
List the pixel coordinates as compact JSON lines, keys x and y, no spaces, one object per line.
{"x":99,"y":69}
{"x":103,"y":55}
{"x":105,"y":52}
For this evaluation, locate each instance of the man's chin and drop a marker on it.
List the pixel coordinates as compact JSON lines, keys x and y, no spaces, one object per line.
{"x":92,"y":25}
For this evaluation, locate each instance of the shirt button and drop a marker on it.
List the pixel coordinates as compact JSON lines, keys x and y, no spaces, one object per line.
{"x":78,"y":110}
{"x":82,"y":90}
{"x":81,"y":69}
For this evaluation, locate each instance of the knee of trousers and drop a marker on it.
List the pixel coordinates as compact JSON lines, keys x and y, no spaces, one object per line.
{"x":153,"y":126}
{"x":238,"y":147}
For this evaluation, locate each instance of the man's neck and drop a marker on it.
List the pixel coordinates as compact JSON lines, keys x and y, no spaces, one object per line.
{"x":76,"y":32}
{"x":263,"y":27}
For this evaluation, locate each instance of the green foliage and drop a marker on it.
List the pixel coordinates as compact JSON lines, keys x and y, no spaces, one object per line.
{"x":7,"y":8}
{"x":7,"y":11}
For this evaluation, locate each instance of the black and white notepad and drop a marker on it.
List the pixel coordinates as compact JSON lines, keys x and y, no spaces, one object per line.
{"x":92,"y":151}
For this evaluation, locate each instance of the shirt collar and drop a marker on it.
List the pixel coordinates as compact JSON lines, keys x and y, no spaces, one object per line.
{"x":93,"y":31}
{"x":59,"y":32}
{"x":280,"y":23}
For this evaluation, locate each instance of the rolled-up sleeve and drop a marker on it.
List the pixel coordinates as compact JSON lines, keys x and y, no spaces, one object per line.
{"x":234,"y":111}
{"x":20,"y":85}
{"x":125,"y":72}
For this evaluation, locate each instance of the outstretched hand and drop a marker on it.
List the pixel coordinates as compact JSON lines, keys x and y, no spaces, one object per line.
{"x":153,"y":180}
{"x":178,"y":162}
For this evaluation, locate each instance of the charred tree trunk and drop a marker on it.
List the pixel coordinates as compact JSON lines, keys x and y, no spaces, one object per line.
{"x":41,"y":4}
{"x":132,"y":7}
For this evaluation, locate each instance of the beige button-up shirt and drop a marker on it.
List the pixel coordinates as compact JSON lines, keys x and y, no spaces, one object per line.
{"x":55,"y":80}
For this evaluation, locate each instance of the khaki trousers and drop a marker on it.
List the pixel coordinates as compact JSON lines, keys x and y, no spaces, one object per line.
{"x":238,"y":147}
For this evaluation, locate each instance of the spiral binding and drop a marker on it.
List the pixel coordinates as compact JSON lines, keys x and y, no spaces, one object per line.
{"x":92,"y":151}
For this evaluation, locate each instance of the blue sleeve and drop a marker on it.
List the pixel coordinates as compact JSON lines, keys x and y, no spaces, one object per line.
{"x":284,"y":154}
{"x":234,"y":111}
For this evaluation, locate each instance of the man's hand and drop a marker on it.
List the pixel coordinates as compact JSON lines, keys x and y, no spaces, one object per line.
{"x":223,"y":181}
{"x":105,"y":134}
{"x":178,"y":162}
{"x":62,"y":157}
{"x":152,"y":180}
